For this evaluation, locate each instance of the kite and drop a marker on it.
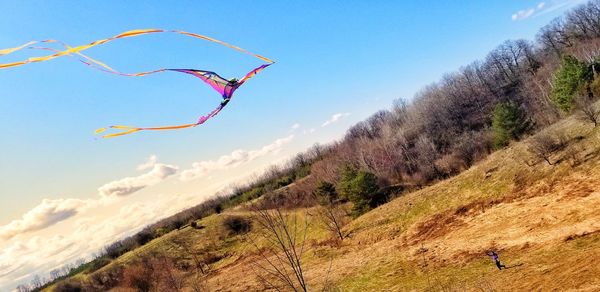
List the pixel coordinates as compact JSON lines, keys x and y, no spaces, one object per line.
{"x":225,"y":87}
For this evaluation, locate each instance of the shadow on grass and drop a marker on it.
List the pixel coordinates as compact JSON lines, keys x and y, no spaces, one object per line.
{"x":514,"y":266}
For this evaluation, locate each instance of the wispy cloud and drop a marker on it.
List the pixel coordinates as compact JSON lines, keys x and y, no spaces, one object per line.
{"x":309,"y":131}
{"x":559,"y":4}
{"x":295,"y":126}
{"x":150,"y":162}
{"x":544,"y":8}
{"x":334,"y":119}
{"x":526,"y":13}
{"x":47,"y":213}
{"x":130,"y":185}
{"x":236,"y":158}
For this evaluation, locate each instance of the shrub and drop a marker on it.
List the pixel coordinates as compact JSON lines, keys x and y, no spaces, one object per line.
{"x":302,"y":171}
{"x":143,"y":236}
{"x":284,"y":181}
{"x":68,"y":286}
{"x":160,"y":232}
{"x":177,"y":223}
{"x":99,"y":263}
{"x":545,"y":144}
{"x":108,"y":278}
{"x":139,"y":276}
{"x":237,"y":225}
{"x":588,"y":110}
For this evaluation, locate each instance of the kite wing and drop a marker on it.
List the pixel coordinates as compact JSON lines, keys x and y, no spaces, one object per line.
{"x":213,"y":79}
{"x":253,"y":72}
{"x":221,"y":85}
{"x":225,"y":87}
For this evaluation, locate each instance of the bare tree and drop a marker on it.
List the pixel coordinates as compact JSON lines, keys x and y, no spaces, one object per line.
{"x":588,"y":109}
{"x":36,"y":282}
{"x":333,"y":217}
{"x":172,"y":279}
{"x":55,"y":274}
{"x":331,"y":213}
{"x":22,"y":288}
{"x":201,"y":264}
{"x":553,"y":37}
{"x":281,"y":266}
{"x":544,"y":145}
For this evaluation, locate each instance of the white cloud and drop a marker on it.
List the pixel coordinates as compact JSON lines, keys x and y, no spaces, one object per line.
{"x":544,"y":8}
{"x":557,"y":5}
{"x":526,"y":13}
{"x":150,"y":162}
{"x":235,"y":159}
{"x":541,"y":5}
{"x":334,"y":118}
{"x":129,"y":185}
{"x":309,"y":131}
{"x":523,"y":14}
{"x":295,"y":126}
{"x":46,"y":214}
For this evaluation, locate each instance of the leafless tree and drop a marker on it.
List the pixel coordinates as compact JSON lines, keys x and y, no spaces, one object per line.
{"x":36,"y":282}
{"x":588,"y":110}
{"x":553,"y":37}
{"x":172,"y":280}
{"x":281,"y":260}
{"x":203,"y":260}
{"x":544,"y":145}
{"x":54,"y":274}
{"x":582,"y":22}
{"x":22,"y":288}
{"x":333,"y":217}
{"x":330,"y":211}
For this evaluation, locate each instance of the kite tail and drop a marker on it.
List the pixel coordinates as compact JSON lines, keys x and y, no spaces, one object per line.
{"x":132,"y":33}
{"x":126,"y":130}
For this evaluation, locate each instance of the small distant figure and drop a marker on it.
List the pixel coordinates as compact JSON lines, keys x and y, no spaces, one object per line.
{"x":496,"y":259}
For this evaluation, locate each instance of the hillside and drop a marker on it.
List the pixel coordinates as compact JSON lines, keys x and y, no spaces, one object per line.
{"x":542,"y":219}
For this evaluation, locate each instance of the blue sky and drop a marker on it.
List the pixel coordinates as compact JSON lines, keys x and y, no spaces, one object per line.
{"x":331,"y":57}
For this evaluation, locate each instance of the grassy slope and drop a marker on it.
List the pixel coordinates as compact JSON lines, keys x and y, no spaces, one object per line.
{"x":544,"y":221}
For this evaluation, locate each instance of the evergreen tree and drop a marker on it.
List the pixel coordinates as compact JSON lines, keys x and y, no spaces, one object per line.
{"x":344,"y":187}
{"x":325,"y":193}
{"x":570,"y":77}
{"x":509,"y":122}
{"x":364,"y":189}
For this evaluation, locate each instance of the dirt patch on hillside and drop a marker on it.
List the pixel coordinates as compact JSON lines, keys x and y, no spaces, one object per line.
{"x":523,"y":223}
